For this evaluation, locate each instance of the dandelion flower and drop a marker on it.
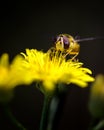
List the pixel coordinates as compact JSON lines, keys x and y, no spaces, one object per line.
{"x":11,"y":76}
{"x":54,"y":69}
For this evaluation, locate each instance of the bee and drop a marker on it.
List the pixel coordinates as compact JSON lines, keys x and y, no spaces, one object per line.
{"x":66,"y":44}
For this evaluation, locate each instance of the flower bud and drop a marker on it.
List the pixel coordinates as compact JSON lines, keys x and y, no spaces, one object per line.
{"x":96,"y":101}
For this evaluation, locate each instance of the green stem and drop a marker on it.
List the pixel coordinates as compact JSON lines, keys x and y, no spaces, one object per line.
{"x":45,"y":112}
{"x":13,"y":119}
{"x":52,"y":113}
{"x":99,"y":126}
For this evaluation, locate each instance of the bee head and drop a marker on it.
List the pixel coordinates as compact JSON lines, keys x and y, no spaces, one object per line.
{"x":62,"y":42}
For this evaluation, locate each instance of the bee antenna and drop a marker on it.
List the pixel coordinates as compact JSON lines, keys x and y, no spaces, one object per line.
{"x":88,"y":39}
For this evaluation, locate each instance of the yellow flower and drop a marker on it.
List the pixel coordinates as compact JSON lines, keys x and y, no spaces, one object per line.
{"x":11,"y":76}
{"x":52,"y":68}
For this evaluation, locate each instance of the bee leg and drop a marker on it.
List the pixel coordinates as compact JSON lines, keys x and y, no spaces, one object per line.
{"x":73,"y":58}
{"x":68,"y":53}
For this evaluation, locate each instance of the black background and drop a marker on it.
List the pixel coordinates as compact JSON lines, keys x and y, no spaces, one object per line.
{"x":31,"y":25}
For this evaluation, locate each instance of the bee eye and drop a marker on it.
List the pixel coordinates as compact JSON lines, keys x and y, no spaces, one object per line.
{"x":66,"y":43}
